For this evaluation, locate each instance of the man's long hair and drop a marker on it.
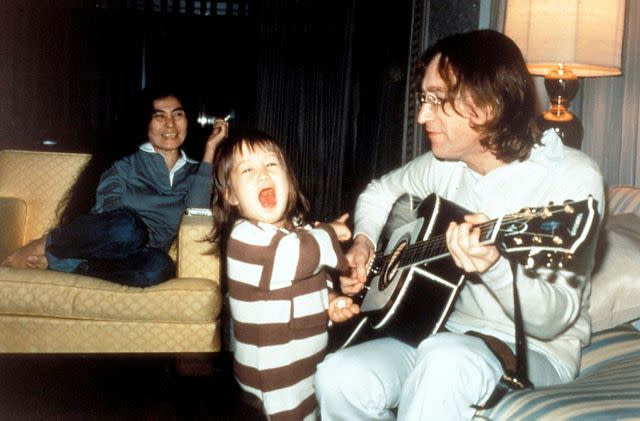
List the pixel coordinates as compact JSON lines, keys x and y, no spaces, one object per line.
{"x":488,"y":67}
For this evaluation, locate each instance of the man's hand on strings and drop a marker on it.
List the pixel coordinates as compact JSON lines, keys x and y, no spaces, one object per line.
{"x":463,"y":241}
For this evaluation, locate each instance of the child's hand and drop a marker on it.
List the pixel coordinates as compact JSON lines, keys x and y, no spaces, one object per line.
{"x":342,"y":308}
{"x":341,"y":229}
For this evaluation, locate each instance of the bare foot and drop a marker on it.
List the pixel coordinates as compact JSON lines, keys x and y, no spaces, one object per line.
{"x":33,"y":249}
{"x":37,"y":262}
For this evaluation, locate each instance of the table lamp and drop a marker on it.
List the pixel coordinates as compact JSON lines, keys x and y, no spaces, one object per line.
{"x":563,"y":40}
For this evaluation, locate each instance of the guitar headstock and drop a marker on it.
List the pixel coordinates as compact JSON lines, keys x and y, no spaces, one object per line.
{"x":548,"y":236}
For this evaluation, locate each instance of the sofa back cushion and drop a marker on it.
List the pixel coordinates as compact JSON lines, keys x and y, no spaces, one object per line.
{"x":615,"y":286}
{"x":41,"y":179}
{"x":623,"y":199}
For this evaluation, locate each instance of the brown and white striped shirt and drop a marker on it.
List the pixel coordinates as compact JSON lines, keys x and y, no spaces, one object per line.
{"x":278,"y":292}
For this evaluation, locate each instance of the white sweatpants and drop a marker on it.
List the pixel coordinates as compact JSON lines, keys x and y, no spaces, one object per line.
{"x":439,"y":380}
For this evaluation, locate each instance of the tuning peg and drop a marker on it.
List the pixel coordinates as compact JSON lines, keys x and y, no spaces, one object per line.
{"x":557,"y":240}
{"x":568,"y":209}
{"x":530,"y":263}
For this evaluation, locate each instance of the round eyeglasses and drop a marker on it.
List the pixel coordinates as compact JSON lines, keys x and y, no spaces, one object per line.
{"x":430,"y":99}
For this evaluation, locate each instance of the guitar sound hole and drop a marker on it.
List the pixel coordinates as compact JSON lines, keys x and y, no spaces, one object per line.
{"x":391,"y":267}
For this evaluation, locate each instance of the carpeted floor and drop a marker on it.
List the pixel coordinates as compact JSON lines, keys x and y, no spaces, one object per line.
{"x":120,"y":387}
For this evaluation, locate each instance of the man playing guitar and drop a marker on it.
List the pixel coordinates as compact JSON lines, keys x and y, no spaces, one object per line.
{"x":476,"y":102}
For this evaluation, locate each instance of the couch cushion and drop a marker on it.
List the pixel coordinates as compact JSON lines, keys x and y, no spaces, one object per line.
{"x":33,"y":292}
{"x":20,"y":334}
{"x":615,"y":294}
{"x":608,"y":386}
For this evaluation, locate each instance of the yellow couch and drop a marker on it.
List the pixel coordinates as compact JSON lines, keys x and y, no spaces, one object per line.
{"x":43,"y":311}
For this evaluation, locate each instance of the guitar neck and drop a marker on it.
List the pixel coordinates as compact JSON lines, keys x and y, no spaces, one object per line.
{"x":435,"y":248}
{"x":546,"y":236}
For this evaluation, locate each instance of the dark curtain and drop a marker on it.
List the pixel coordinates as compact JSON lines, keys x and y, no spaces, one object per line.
{"x":210,"y":59}
{"x":330,"y":86}
{"x":70,"y":68}
{"x":307,"y":92}
{"x":381,"y":50}
{"x":70,"y":72}
{"x":213,"y":58}
{"x":326,"y":77}
{"x":38,"y":91}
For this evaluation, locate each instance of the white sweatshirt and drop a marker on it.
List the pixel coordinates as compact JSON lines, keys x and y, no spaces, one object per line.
{"x":555,"y":314}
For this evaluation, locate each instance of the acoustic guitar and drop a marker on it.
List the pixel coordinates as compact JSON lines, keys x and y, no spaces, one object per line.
{"x":413,"y":284}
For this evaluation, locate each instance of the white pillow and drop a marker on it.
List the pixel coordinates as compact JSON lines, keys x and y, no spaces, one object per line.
{"x":615,"y":293}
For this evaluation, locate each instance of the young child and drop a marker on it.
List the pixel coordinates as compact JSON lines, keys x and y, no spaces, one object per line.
{"x":279,"y":292}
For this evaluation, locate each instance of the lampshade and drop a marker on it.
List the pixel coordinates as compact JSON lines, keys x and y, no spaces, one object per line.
{"x":564,"y":39}
{"x":584,"y":35}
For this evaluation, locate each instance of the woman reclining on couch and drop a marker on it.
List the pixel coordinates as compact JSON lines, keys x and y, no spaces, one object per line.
{"x":139,"y":203}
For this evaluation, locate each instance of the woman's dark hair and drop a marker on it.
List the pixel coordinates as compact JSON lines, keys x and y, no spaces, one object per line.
{"x":121,"y":138}
{"x":224,"y":215}
{"x":488,"y":66}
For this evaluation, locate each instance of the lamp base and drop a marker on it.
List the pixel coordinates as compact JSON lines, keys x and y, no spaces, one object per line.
{"x":570,"y":131}
{"x":562,"y":85}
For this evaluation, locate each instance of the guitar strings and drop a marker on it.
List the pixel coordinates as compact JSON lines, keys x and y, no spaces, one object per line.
{"x":437,"y":244}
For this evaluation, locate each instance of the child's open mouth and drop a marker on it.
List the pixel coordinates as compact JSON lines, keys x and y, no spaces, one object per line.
{"x":267,"y":198}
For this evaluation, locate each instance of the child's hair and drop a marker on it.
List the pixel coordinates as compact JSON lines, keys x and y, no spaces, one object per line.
{"x":224,"y":215}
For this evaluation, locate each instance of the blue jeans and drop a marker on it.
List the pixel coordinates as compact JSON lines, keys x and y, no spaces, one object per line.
{"x":110,"y":245}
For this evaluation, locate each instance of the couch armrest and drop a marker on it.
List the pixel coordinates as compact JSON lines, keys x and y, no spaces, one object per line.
{"x":623,"y":199}
{"x":197,"y":257}
{"x":13,"y":217}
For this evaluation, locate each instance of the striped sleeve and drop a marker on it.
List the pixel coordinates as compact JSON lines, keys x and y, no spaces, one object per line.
{"x":268,"y":258}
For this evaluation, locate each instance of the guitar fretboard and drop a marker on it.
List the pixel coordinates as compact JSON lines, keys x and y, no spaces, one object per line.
{"x":431,"y":249}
